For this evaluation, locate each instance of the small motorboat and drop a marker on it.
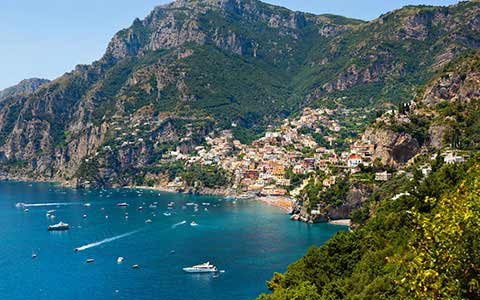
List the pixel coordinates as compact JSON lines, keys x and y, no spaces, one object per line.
{"x":87,"y":205}
{"x":59,"y":227}
{"x":203,"y":268}
{"x":119,"y":260}
{"x":84,"y":216}
{"x":51,"y":211}
{"x":123,"y":204}
{"x":90,"y":260}
{"x":167,"y":214}
{"x":140,"y":208}
{"x":26,"y":210}
{"x":193,"y":223}
{"x":135,"y":267}
{"x":34,"y":255}
{"x":148,"y":221}
{"x":172,"y":252}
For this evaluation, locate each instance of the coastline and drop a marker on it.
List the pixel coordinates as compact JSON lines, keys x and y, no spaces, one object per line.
{"x":342,"y":222}
{"x":282,"y":202}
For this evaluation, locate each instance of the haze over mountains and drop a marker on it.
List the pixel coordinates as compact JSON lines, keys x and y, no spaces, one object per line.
{"x":191,"y":67}
{"x":27,"y":86}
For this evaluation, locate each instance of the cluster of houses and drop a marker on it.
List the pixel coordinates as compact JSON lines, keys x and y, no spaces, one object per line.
{"x":266,"y":166}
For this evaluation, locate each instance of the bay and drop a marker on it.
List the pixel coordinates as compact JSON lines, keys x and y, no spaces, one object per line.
{"x":246,"y":239}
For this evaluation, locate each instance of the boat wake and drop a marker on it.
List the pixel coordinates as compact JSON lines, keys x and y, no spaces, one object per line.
{"x":105,"y":241}
{"x":178,"y":224}
{"x":46,"y":204}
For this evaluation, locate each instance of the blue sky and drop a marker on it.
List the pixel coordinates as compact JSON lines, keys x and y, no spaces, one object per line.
{"x":47,"y":38}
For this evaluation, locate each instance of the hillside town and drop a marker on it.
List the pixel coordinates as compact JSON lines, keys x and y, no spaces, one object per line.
{"x":299,"y":149}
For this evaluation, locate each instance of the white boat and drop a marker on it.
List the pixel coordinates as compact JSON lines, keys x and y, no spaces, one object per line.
{"x":123,"y":204}
{"x":59,"y":227}
{"x":87,"y":205}
{"x":203,"y":268}
{"x":193,"y":223}
{"x":167,"y":214}
{"x":51,"y":211}
{"x":148,"y":221}
{"x":119,"y":260}
{"x":90,"y":260}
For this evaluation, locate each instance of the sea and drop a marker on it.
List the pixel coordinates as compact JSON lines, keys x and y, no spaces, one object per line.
{"x":246,"y":239}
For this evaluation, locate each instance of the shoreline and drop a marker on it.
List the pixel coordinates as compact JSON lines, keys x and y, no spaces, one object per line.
{"x":283,"y":203}
{"x":341,"y":222}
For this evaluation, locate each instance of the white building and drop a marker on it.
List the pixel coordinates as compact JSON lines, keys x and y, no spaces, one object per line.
{"x":354,"y":160}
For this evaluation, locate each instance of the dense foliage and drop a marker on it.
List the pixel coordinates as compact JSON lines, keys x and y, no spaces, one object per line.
{"x":419,"y":246}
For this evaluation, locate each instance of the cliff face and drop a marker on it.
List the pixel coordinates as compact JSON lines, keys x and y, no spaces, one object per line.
{"x":191,"y":67}
{"x":445,"y":114}
{"x":24,"y":87}
{"x":392,"y":148}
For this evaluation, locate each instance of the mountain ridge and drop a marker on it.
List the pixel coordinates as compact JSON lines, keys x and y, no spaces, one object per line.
{"x":26,"y":86}
{"x":264,"y":62}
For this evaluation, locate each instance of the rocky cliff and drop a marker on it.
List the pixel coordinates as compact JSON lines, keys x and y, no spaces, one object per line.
{"x":392,"y":148}
{"x":445,"y":114}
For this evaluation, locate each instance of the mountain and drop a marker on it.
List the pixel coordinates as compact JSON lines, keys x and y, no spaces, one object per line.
{"x":27,"y":86}
{"x":193,"y":67}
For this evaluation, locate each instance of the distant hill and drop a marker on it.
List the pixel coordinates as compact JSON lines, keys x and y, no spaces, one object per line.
{"x":191,"y":67}
{"x":24,"y":87}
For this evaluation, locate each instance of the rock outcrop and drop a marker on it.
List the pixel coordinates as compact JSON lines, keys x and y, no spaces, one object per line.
{"x":392,"y":148}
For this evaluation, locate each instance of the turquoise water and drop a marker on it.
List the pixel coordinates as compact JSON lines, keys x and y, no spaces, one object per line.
{"x":246,"y":239}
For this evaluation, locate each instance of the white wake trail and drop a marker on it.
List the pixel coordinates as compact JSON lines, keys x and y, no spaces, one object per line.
{"x":46,"y":204}
{"x":108,"y":240}
{"x":178,"y":224}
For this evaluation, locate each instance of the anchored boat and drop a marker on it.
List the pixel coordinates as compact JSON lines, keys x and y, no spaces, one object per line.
{"x":59,"y":227}
{"x":203,"y":268}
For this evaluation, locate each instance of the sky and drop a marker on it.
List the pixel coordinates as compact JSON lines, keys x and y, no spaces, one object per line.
{"x":48,"y":38}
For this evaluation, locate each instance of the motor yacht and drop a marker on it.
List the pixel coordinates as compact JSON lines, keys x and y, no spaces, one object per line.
{"x":203,"y":268}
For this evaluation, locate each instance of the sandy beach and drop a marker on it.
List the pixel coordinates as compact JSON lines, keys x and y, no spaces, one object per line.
{"x":283,"y":203}
{"x":344,"y":222}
